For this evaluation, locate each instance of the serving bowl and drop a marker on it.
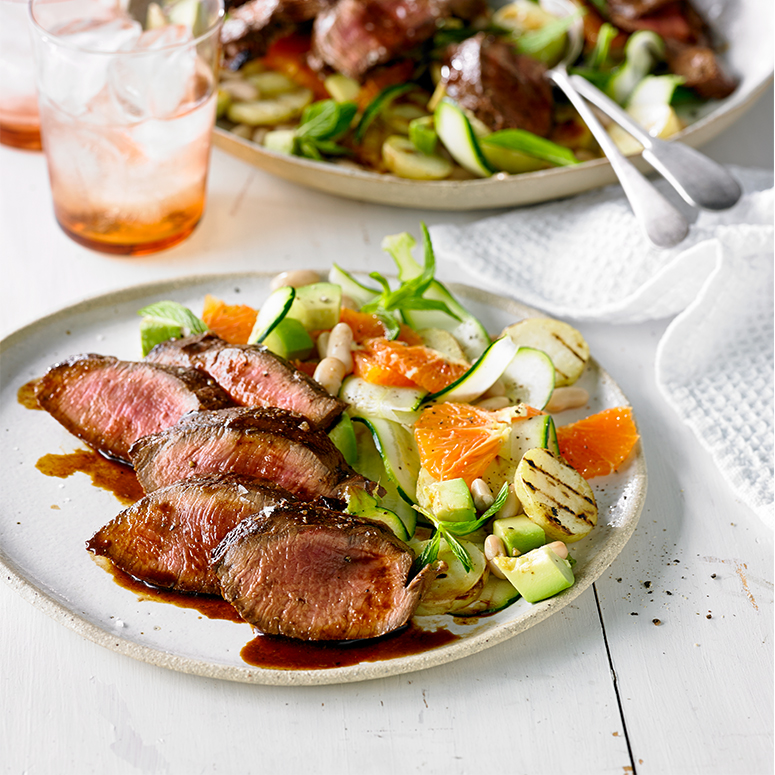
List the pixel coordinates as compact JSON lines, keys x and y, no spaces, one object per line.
{"x":745,"y":26}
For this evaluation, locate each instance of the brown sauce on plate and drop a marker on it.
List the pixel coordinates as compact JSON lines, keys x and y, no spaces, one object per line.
{"x":107,"y":474}
{"x":265,"y":651}
{"x":277,"y":653}
{"x":25,"y":395}
{"x":208,"y":605}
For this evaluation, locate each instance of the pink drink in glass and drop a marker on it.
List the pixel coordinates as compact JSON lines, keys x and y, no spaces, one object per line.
{"x":128,"y":149}
{"x":19,"y":121}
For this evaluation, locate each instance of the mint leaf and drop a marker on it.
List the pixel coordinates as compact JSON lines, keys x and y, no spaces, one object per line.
{"x":430,"y":552}
{"x":173,"y":313}
{"x":153,"y":332}
{"x":464,"y":528}
{"x":326,"y":120}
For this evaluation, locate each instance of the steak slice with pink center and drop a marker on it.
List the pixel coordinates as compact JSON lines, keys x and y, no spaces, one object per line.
{"x":252,"y":375}
{"x":273,"y":444}
{"x":305,"y":571}
{"x":110,"y":404}
{"x":166,"y":538}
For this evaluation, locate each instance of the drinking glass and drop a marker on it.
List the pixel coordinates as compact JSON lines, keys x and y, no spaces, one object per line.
{"x":19,"y":121}
{"x":127,"y":106}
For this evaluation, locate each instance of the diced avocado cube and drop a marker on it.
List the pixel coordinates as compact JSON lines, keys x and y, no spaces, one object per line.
{"x":519,"y":533}
{"x":280,"y":140}
{"x":343,"y":437}
{"x":317,"y":306}
{"x":289,"y":339}
{"x":538,"y":574}
{"x":451,"y":501}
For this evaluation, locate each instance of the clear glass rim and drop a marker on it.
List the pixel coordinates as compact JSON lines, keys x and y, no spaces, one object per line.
{"x":50,"y":37}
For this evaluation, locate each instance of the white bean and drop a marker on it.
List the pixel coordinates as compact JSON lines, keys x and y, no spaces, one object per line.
{"x":322,"y":344}
{"x":559,"y":548}
{"x":349,"y":303}
{"x":242,"y":130}
{"x":482,"y":495}
{"x":259,"y":135}
{"x":240,"y":90}
{"x":496,"y":402}
{"x":567,"y":398}
{"x":493,"y":547}
{"x":330,"y":373}
{"x":511,"y":506}
{"x":340,"y":344}
{"x":295,"y":278}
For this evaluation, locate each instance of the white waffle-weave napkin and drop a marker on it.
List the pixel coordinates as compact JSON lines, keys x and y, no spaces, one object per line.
{"x":585,"y":258}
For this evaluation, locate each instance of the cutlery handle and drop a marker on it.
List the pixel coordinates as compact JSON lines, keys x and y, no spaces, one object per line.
{"x":699,"y":180}
{"x":664,"y":225}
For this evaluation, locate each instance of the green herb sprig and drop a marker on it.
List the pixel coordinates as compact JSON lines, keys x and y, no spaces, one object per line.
{"x":409,"y":295}
{"x":449,"y":530}
{"x":167,"y":320}
{"x":322,"y":124}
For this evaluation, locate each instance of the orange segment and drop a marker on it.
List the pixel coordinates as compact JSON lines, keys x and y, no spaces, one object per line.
{"x":232,"y":322}
{"x":288,"y":56}
{"x":364,"y":326}
{"x":459,"y":440}
{"x":398,"y":364}
{"x":597,"y":445}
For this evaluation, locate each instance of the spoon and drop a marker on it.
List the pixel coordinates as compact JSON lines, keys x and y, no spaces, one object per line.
{"x":663,"y":223}
{"x":700,"y":181}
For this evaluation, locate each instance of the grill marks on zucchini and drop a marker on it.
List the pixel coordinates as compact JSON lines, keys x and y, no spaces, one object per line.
{"x":555,"y":496}
{"x":578,"y":354}
{"x":561,"y":506}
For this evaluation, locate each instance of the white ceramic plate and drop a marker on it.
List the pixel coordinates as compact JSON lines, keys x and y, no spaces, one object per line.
{"x":745,"y":24}
{"x":45,"y":521}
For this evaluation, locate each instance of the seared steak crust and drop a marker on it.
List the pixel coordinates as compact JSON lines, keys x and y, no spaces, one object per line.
{"x":251,"y":27}
{"x":503,"y":89}
{"x":353,"y":36}
{"x":252,"y":375}
{"x":273,"y":444}
{"x":304,"y":571}
{"x":109,"y":403}
{"x":166,"y":538}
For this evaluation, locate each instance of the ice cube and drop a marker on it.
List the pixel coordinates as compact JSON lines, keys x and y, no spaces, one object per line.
{"x":74,"y":73}
{"x":153,"y":79}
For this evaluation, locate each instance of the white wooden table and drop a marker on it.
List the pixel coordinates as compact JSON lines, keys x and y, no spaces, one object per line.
{"x":597,"y":688}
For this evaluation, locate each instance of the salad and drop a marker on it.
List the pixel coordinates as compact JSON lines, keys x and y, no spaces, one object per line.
{"x":459,"y":92}
{"x":458,"y":428}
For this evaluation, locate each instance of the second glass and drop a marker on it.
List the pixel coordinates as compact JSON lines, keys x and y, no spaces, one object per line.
{"x":127,"y":108}
{"x":19,"y":122}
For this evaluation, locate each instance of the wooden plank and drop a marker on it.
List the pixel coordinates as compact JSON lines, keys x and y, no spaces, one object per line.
{"x":541,"y":703}
{"x":688,"y":609}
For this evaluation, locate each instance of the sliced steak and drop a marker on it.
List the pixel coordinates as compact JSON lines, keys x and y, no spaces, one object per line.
{"x":252,"y":375}
{"x":700,"y":68}
{"x":353,"y":36}
{"x":110,"y":404}
{"x":503,"y":89}
{"x":166,"y":538}
{"x":251,"y":27}
{"x":304,"y":571}
{"x":273,"y":444}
